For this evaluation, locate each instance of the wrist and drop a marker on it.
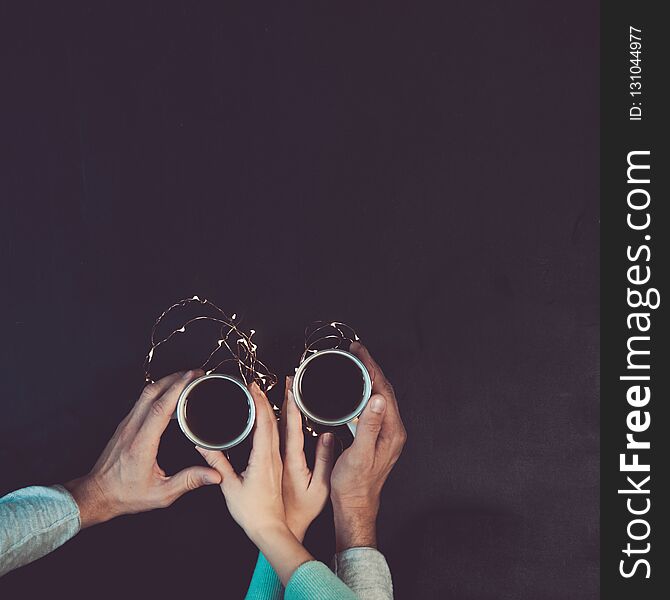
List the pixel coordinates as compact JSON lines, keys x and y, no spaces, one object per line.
{"x":264,"y":532}
{"x":281,"y":548}
{"x":355,"y":525}
{"x":359,"y":508}
{"x":93,"y":505}
{"x":299,"y":530}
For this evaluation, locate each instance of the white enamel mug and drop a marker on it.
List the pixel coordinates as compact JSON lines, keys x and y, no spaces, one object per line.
{"x":183,"y":403}
{"x":350,"y":420}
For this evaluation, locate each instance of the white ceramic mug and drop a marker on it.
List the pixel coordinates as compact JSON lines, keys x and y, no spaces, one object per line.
{"x":183,"y":423}
{"x":350,"y":420}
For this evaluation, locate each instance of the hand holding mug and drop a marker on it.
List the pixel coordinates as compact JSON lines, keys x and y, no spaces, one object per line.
{"x":360,"y":472}
{"x":305,"y":492}
{"x":254,"y":497}
{"x":127,"y":478}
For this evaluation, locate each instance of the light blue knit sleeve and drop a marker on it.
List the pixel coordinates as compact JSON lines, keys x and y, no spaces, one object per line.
{"x":315,"y":581}
{"x":33,"y":522}
{"x":265,"y":585}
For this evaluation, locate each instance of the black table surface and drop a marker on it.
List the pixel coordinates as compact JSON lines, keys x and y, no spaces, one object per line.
{"x":426,"y":173}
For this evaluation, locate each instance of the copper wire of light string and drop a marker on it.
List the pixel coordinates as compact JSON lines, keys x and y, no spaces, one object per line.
{"x":326,"y":335}
{"x":238,"y":345}
{"x":322,"y":335}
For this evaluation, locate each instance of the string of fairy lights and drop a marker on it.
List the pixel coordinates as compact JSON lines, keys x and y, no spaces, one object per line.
{"x":234,"y":344}
{"x":235,"y":347}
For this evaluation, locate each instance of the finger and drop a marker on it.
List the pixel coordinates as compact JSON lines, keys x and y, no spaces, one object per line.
{"x":160,"y":411}
{"x":370,"y":425}
{"x":283,"y":419}
{"x":266,"y":435}
{"x":325,"y":459}
{"x":218,"y":461}
{"x":380,"y":385}
{"x":151,"y":392}
{"x":154,"y":390}
{"x":294,"y":442}
{"x":191,"y":479}
{"x":392,"y":437}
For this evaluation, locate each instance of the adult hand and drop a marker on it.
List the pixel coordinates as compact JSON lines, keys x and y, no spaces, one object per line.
{"x":361,"y":470}
{"x":127,"y":478}
{"x":305,"y":492}
{"x":254,"y":497}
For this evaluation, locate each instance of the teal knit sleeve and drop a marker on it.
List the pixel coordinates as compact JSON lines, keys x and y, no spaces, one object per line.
{"x":265,"y":585}
{"x":315,"y":581}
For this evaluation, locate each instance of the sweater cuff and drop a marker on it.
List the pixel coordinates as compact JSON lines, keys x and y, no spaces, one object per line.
{"x":265,"y":585}
{"x":366,"y":572}
{"x":315,"y":581}
{"x":36,"y":520}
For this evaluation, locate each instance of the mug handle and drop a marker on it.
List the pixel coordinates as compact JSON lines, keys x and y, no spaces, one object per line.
{"x":352,"y":425}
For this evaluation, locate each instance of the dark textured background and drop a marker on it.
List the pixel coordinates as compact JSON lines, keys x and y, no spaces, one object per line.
{"x":426,"y":173}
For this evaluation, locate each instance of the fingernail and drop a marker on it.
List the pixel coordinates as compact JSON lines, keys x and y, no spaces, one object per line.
{"x":377,"y":405}
{"x":327,"y":439}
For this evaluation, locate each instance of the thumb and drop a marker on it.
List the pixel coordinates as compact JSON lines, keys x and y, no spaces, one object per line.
{"x":370,"y":424}
{"x":325,"y":459}
{"x":191,"y":479}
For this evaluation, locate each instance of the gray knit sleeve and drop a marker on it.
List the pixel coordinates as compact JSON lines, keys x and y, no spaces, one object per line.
{"x":33,"y":522}
{"x":366,"y":572}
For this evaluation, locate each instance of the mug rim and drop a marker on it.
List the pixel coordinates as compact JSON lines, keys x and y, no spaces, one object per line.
{"x":367,"y":388}
{"x":186,"y":430}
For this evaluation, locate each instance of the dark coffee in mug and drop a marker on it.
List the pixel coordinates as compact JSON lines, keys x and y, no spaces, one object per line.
{"x":331,"y":387}
{"x":217,"y":411}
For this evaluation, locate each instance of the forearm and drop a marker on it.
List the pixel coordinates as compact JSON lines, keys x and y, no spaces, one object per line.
{"x":354,"y":526}
{"x":281,"y":548}
{"x":357,"y":562}
{"x":33,"y":522}
{"x":94,"y":507}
